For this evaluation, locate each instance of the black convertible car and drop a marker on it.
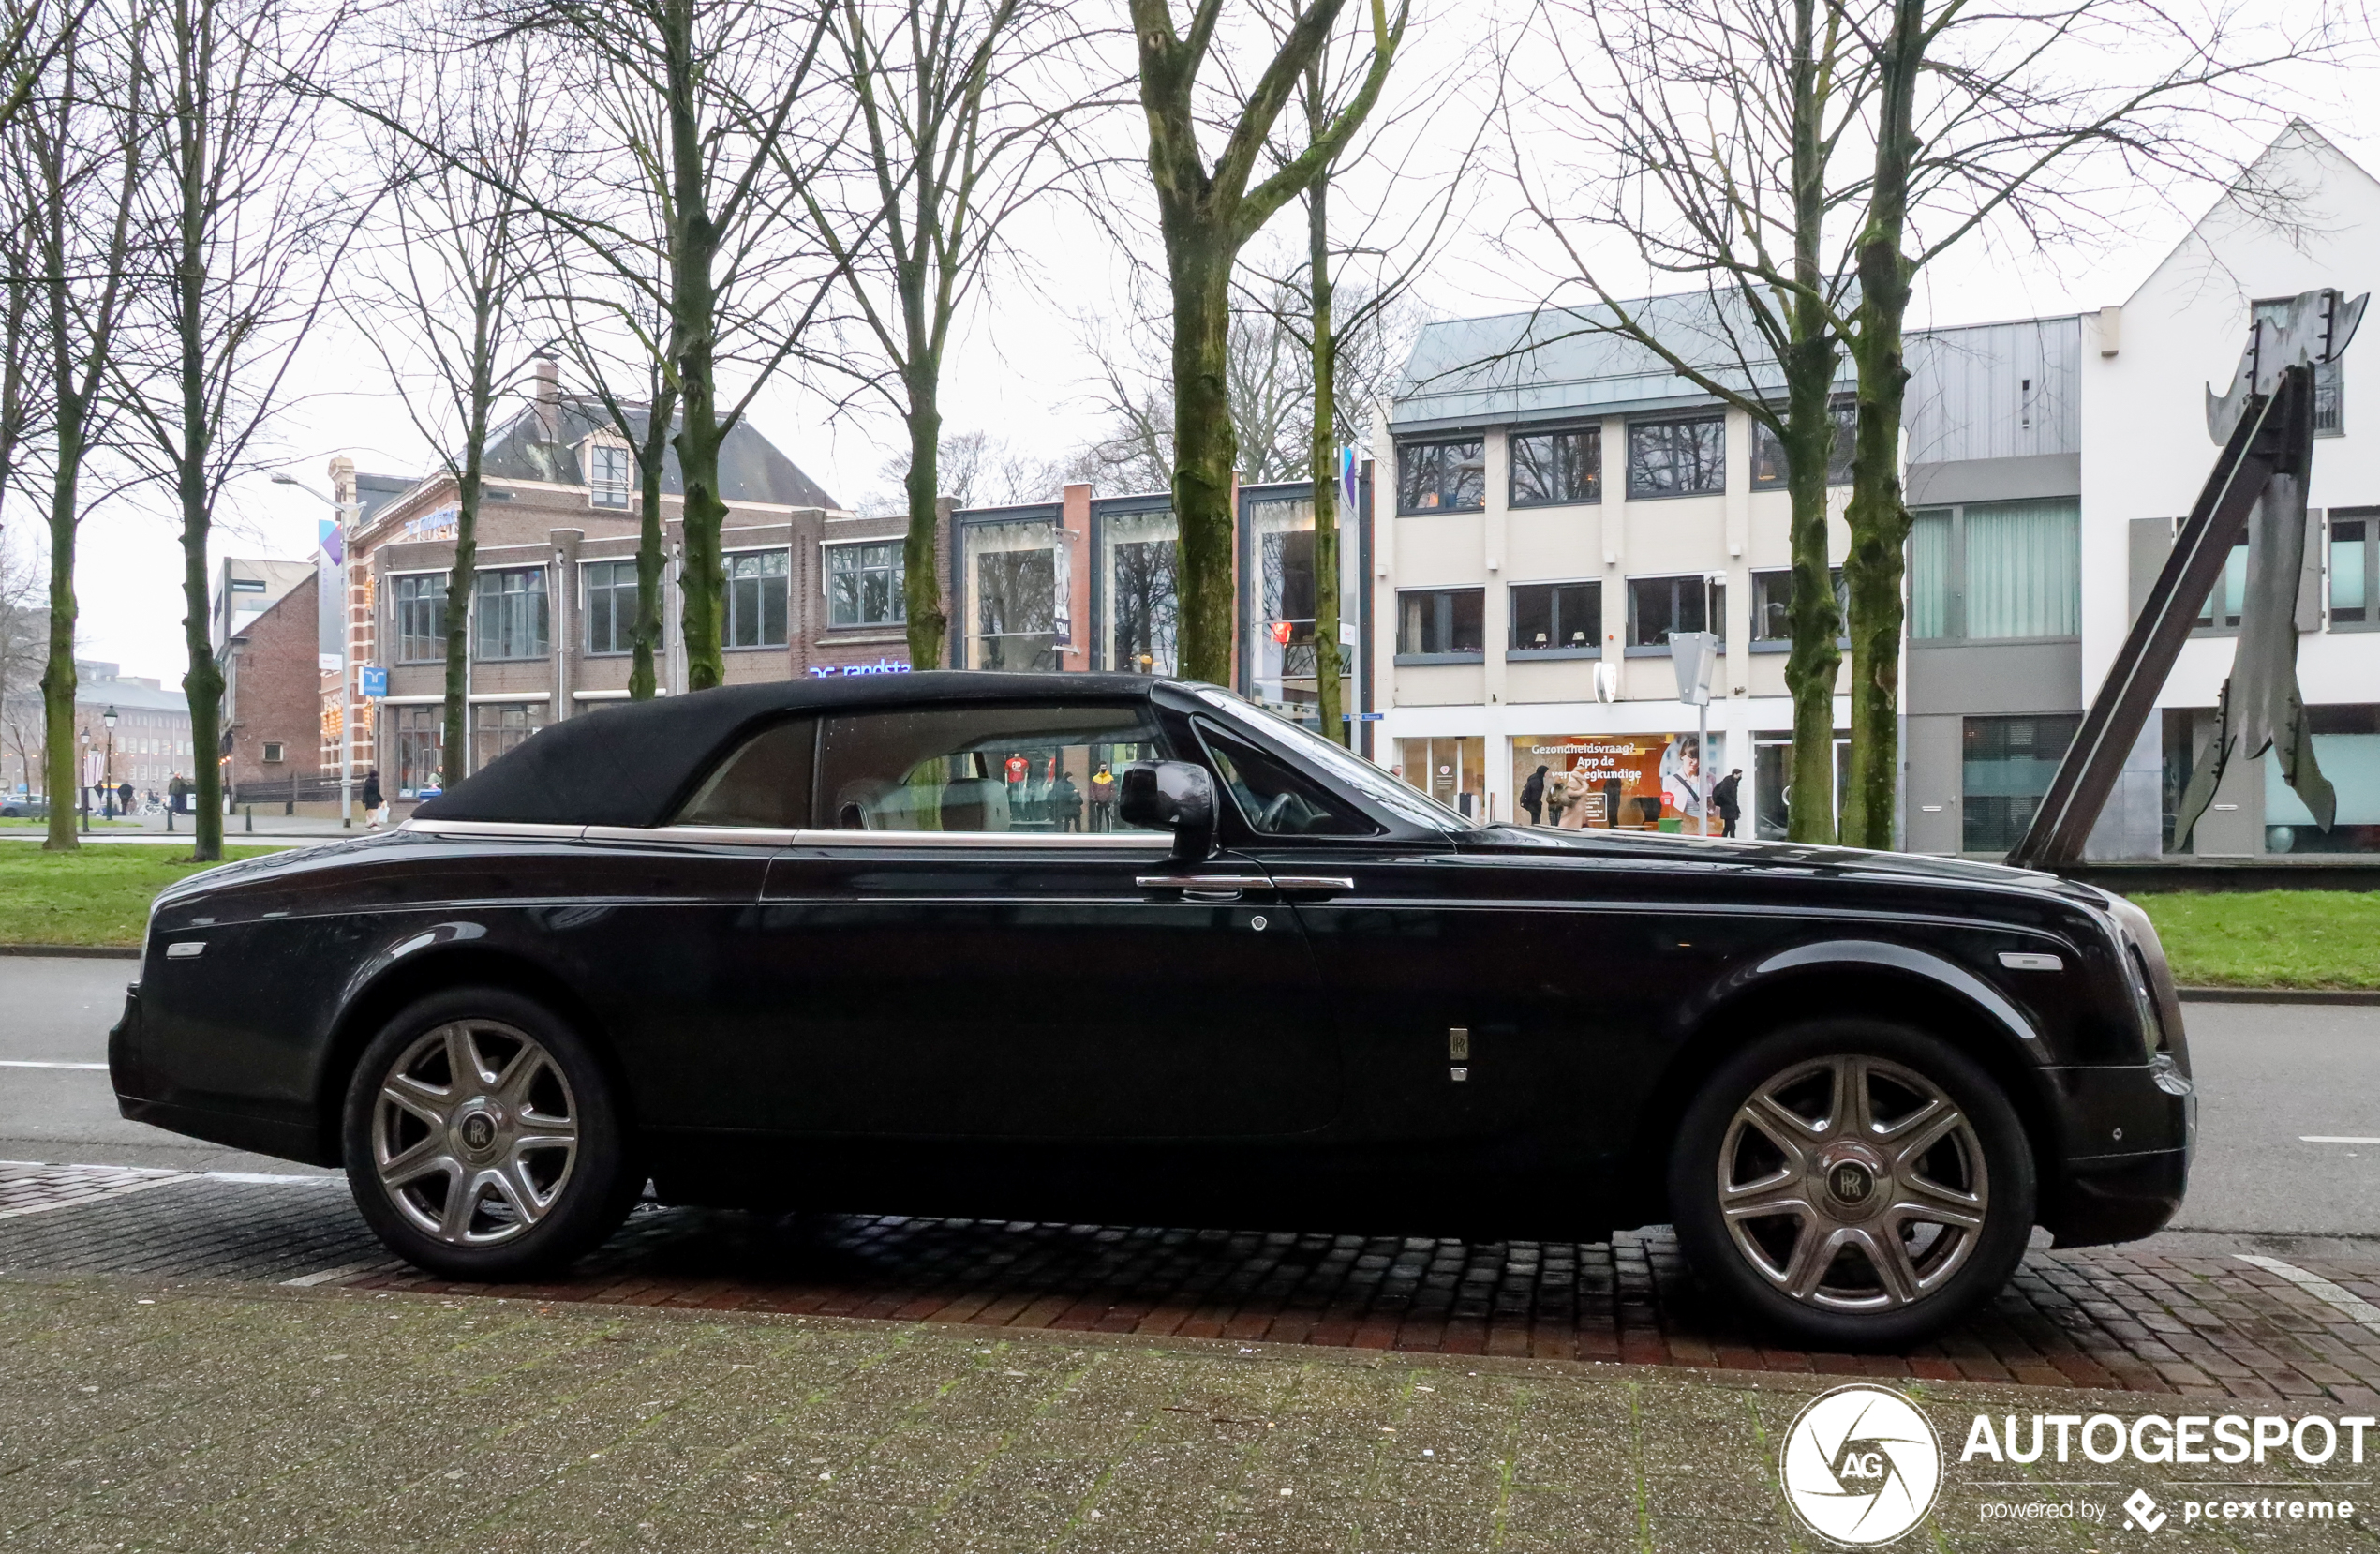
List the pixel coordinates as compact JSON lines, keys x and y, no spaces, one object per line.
{"x":1112,"y":949}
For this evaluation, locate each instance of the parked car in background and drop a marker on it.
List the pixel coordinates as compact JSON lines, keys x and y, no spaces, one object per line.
{"x":24,"y":807}
{"x":850,"y":945}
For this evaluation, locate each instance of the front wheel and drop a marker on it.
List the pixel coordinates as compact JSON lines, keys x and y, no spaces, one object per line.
{"x":482,"y":1138}
{"x":1860,"y":1185}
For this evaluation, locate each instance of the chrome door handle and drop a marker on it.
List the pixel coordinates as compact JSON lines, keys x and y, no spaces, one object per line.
{"x":1313,"y":884}
{"x":1204,"y":887}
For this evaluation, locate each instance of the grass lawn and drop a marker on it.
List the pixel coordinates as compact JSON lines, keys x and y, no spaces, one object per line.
{"x":2269,"y":938}
{"x":99,"y":895}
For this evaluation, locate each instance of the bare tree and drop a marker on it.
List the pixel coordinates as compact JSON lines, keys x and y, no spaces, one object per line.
{"x":1724,"y":120}
{"x":446,"y":295}
{"x":23,"y":636}
{"x":1267,"y":383}
{"x":246,"y":236}
{"x":1207,"y":211}
{"x":1988,"y":119}
{"x":76,"y":162}
{"x":961,"y":103}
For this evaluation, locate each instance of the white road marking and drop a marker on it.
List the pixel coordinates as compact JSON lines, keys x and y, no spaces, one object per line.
{"x":2346,"y":1301}
{"x":29,"y":1063}
{"x":2331,"y":1138}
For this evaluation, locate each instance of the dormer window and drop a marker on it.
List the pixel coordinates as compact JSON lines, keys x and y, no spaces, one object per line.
{"x":607,"y":475}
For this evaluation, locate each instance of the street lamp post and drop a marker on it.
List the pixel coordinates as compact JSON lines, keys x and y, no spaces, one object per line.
{"x":83,"y":782}
{"x":348,"y":511}
{"x":107,"y":772}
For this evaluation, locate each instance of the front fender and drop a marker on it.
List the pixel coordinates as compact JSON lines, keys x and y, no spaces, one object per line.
{"x":1874,"y":955}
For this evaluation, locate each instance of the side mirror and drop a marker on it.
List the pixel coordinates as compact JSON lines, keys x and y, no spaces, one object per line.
{"x":1172,"y":796}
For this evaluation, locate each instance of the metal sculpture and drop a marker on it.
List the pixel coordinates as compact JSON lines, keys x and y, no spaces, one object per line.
{"x":2265,"y":423}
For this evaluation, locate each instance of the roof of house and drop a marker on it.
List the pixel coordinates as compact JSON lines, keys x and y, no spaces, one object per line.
{"x":751,"y":467}
{"x":1553,"y":363}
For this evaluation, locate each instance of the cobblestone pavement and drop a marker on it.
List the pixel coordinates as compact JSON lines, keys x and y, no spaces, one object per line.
{"x":2198,"y":1322}
{"x":141,"y":1417}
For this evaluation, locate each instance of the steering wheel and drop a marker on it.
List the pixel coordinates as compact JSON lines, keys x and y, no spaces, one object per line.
{"x":1275,"y":810}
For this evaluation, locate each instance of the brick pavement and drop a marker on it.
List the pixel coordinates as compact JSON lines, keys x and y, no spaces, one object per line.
{"x":2137,"y":1318}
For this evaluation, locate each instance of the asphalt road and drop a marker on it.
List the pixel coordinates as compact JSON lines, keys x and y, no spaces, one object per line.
{"x":2269,"y":1075}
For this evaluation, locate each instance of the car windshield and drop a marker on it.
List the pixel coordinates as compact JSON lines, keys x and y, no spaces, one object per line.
{"x":1406,"y":802}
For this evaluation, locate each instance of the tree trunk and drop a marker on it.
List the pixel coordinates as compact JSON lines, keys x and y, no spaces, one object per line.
{"x":63,"y":753}
{"x":1877,"y":517}
{"x":1813,"y":617}
{"x":643,"y":682}
{"x":1206,"y":450}
{"x":455,"y":717}
{"x":202,"y":685}
{"x":693,"y":345}
{"x":1324,"y":449}
{"x":921,"y":579}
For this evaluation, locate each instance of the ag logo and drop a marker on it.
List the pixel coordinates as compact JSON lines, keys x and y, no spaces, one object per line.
{"x":1860,"y":1466}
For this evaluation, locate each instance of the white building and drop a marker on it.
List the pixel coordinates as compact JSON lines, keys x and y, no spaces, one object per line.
{"x":1558,"y":500}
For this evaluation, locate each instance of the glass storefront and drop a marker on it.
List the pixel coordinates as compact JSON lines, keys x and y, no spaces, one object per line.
{"x":420,"y":745}
{"x":1138,"y":573}
{"x":1451,"y":771}
{"x":1772,"y":776}
{"x":497,"y":726}
{"x":1016,"y":586}
{"x":1613,"y":782}
{"x":1281,"y":646}
{"x":2347,"y":745}
{"x":2006,"y":766}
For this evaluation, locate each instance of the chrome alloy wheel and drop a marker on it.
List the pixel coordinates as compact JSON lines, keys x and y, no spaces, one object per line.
{"x":474,"y":1132}
{"x":1853,"y":1184}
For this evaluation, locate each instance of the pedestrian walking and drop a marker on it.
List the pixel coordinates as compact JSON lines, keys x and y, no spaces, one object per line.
{"x":1533,"y":795}
{"x":376,"y":810}
{"x":1726,"y":798}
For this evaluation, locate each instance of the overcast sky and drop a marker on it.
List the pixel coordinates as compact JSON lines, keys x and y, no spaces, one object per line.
{"x":1023,"y":371}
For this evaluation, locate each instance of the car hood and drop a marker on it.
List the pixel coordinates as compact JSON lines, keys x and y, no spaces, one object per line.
{"x":1663,"y":847}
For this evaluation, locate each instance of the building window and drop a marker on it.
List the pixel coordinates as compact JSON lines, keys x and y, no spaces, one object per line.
{"x":272,"y":752}
{"x":508,"y":614}
{"x":1678,"y":458}
{"x":1997,"y":570}
{"x":1656,"y":606}
{"x":498,"y":726}
{"x":607,"y":475}
{"x":1772,"y":603}
{"x":1143,"y":591}
{"x":611,"y":606}
{"x":864,"y":584}
{"x":1565,"y":618}
{"x":1441,"y":477}
{"x":1442,"y":624}
{"x":421,"y":617}
{"x":2006,"y":768}
{"x":2224,"y":601}
{"x":1282,"y":661}
{"x":2347,"y":745}
{"x":1768,"y":452}
{"x":421,"y":740}
{"x":1553,"y":467}
{"x":756,"y":583}
{"x":1020,"y":586}
{"x":2328,"y":380}
{"x":2354,"y":569}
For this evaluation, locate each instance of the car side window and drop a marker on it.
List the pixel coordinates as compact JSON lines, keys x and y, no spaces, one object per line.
{"x":1276,"y":798}
{"x":1052,"y":769}
{"x":765,"y":783}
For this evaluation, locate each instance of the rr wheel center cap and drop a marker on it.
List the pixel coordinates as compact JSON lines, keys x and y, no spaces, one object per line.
{"x":480,"y":1130}
{"x":1852,"y":1182}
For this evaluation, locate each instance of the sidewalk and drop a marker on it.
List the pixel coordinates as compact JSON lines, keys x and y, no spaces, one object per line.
{"x":156,"y":1416}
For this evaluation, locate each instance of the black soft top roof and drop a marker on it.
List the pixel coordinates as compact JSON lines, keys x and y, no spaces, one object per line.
{"x":633,"y":764}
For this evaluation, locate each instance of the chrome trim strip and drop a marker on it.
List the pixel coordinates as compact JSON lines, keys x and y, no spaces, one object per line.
{"x":747,"y":836}
{"x":1154,"y":841}
{"x":1201,"y":882}
{"x":1313,"y":882}
{"x":523,"y":830}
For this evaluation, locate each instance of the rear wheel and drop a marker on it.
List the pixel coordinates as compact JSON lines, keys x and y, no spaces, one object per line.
{"x":482,"y":1138}
{"x":1859,"y":1184}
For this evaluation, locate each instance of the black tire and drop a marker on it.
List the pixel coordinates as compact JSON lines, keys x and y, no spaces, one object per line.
{"x":1852,"y":1188}
{"x":532,"y":1205}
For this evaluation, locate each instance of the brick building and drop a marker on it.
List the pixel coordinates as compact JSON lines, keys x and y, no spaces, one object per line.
{"x":810,"y":588}
{"x":272,"y":696}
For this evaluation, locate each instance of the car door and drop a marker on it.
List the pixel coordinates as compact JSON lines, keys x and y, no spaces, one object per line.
{"x":969,"y":950}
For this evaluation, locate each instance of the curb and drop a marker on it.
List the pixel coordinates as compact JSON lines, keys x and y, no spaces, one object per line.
{"x":2280,"y":995}
{"x":75,"y":951}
